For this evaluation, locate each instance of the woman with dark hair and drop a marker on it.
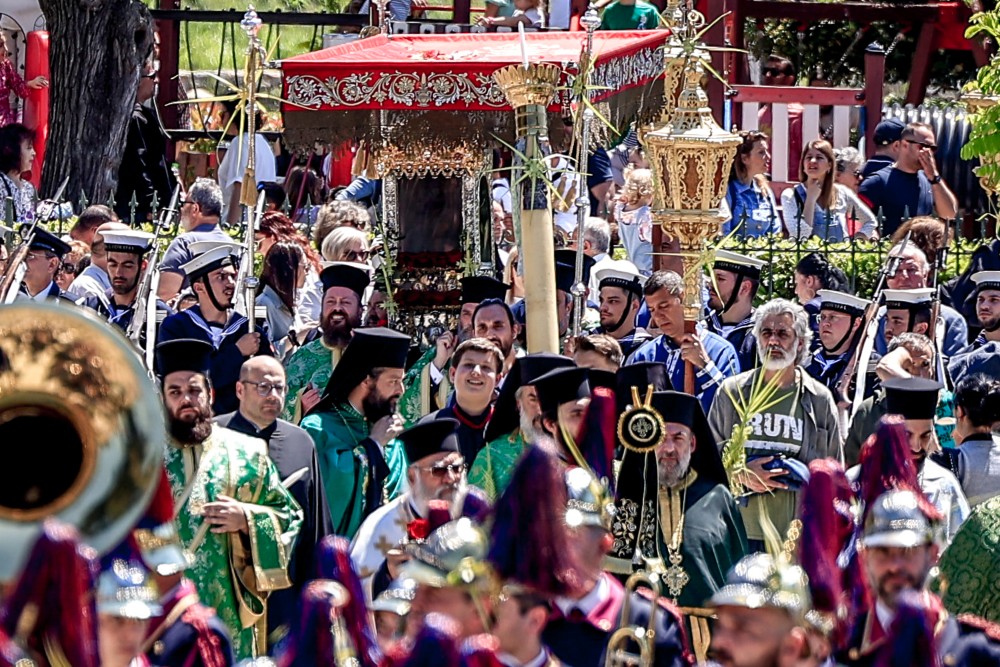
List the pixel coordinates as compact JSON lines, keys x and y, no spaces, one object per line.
{"x":818,"y":205}
{"x":276,"y":227}
{"x":304,"y":189}
{"x":284,"y":274}
{"x":977,"y":414}
{"x":17,"y":154}
{"x":749,"y":202}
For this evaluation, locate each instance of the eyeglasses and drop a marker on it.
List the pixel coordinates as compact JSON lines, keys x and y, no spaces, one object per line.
{"x":442,"y":471}
{"x":264,"y":389}
{"x":361,"y":255}
{"x":921,"y":144}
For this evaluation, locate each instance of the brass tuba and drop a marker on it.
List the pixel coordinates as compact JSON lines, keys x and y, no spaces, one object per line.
{"x":618,"y":653}
{"x":81,"y":426}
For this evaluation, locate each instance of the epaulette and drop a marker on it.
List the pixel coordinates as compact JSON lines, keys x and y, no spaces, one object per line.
{"x":977,"y":623}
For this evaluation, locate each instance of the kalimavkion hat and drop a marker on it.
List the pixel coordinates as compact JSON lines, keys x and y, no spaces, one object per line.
{"x":350,"y":275}
{"x":525,"y":370}
{"x":912,"y":398}
{"x":428,"y":438}
{"x":561,"y":385}
{"x":183,"y":354}
{"x":476,"y":289}
{"x":373,"y":347}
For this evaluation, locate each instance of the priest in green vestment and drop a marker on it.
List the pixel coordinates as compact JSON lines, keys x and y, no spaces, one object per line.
{"x":969,"y":579}
{"x":427,"y":385}
{"x":515,"y":423}
{"x":354,"y":428}
{"x":234,"y":516}
{"x":308,"y":369}
{"x":675,"y":515}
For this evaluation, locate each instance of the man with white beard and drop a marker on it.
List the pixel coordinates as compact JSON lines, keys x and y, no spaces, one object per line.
{"x":436,"y":472}
{"x":798,"y":424}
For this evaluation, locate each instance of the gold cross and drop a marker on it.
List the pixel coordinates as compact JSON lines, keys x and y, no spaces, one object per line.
{"x":384,"y":545}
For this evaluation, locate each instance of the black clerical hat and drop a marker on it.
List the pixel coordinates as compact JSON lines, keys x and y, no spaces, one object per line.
{"x":428,"y":438}
{"x":183,"y":354}
{"x":912,"y":398}
{"x":476,"y":289}
{"x":601,"y":378}
{"x":351,"y":275}
{"x":568,"y":256}
{"x":680,"y":408}
{"x":524,"y":371}
{"x":44,"y":240}
{"x":641,"y":375}
{"x":561,"y":386}
{"x":373,"y":347}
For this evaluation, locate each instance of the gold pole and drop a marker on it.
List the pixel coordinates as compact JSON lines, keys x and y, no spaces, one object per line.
{"x":529,"y":89}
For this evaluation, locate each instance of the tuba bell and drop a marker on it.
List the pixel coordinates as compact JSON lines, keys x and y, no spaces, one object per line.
{"x":618,"y":653}
{"x":81,"y":427}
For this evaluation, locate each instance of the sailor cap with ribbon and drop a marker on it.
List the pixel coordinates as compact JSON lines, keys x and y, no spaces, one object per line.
{"x":986,"y":280}
{"x":842,"y":302}
{"x":127,"y":240}
{"x":737,"y":263}
{"x":908,"y":299}
{"x":211,"y":256}
{"x":620,"y":273}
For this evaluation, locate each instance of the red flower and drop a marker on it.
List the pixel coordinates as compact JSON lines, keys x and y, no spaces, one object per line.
{"x":418,"y":529}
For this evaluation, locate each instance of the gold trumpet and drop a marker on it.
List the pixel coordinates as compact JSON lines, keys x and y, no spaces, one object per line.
{"x":81,"y":425}
{"x":618,"y":653}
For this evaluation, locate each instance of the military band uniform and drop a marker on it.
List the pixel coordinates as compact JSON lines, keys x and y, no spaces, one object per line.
{"x":187,"y":632}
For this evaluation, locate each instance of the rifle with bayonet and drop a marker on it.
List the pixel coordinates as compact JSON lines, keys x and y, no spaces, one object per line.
{"x":14,"y":273}
{"x":144,"y":308}
{"x":861,"y":354}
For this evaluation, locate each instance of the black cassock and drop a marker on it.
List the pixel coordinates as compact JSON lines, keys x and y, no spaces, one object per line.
{"x":292,"y":449}
{"x":471,"y":430}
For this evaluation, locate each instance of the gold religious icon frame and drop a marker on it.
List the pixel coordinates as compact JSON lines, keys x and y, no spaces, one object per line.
{"x":641,"y":427}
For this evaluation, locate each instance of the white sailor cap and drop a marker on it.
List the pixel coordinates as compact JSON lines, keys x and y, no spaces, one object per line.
{"x":842,"y":302}
{"x":127,"y":240}
{"x":222,"y":254}
{"x":737,"y":263}
{"x":986,"y":280}
{"x":5,"y":232}
{"x":908,"y":299}
{"x":200,"y":247}
{"x":620,"y":273}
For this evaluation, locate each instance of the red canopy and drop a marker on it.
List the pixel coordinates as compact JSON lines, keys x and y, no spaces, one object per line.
{"x":453,"y":73}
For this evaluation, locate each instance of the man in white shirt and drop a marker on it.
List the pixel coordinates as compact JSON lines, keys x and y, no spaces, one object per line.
{"x":234,"y":163}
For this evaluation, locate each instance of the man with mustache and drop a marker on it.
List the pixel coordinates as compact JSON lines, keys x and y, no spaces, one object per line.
{"x":232,"y":512}
{"x":563,"y":397}
{"x":898,"y":549}
{"x":261,"y":391}
{"x":309,"y":368}
{"x":680,"y":518}
{"x":427,"y":382}
{"x":126,"y":262}
{"x":731,"y":291}
{"x":494,"y":321}
{"x":94,"y":280}
{"x":987,"y":308}
{"x":475,"y":370}
{"x":799,"y":425}
{"x":762,"y":616}
{"x":436,"y":472}
{"x":354,"y":427}
{"x":516,"y":423}
{"x":213,"y":274}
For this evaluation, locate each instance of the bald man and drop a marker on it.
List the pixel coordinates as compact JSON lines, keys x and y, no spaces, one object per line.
{"x":261,"y":390}
{"x":94,"y":281}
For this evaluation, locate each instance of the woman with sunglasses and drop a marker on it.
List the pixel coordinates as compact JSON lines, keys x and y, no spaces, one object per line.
{"x":749,"y":203}
{"x":346,"y":244}
{"x":818,"y":206}
{"x":850,"y":163}
{"x":283,"y":275}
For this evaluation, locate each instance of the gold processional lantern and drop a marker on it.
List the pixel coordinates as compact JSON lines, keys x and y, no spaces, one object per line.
{"x":690,"y":158}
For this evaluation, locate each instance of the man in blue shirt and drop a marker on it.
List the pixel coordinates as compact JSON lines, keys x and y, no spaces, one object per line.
{"x":200,"y":214}
{"x":913,"y":185}
{"x":712,"y":356}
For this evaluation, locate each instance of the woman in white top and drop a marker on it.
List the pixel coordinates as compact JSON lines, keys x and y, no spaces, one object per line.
{"x":818,"y":206}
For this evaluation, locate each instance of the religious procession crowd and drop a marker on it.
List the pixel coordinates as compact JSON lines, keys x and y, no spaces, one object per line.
{"x":800,"y":482}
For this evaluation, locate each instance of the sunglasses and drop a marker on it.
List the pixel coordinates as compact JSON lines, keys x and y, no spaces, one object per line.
{"x":68,"y":269}
{"x":443,"y":471}
{"x":921,"y":144}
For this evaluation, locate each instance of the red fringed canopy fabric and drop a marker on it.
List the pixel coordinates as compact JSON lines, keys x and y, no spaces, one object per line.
{"x":430,"y":87}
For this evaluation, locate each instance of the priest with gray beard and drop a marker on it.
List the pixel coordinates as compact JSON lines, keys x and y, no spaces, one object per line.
{"x":436,"y":472}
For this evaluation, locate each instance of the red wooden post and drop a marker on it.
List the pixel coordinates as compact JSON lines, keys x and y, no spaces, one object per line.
{"x":169,"y":57}
{"x":874,"y":88}
{"x":920,"y":74}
